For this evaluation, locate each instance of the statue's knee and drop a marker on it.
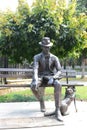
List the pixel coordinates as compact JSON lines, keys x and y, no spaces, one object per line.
{"x":57,"y":83}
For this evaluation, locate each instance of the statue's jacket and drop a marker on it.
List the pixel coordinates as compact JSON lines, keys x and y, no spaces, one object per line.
{"x":39,"y":65}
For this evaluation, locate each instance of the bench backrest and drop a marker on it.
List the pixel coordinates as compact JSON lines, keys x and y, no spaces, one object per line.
{"x":28,"y":73}
{"x":15,"y":72}
{"x":68,"y":74}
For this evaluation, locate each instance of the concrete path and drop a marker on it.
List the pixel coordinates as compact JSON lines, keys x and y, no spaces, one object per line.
{"x":75,"y":120}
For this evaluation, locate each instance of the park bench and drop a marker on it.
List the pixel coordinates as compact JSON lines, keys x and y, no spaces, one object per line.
{"x":70,"y":76}
{"x":14,"y":74}
{"x":28,"y":73}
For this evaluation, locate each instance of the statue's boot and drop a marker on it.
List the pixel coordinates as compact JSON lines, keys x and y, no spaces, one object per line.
{"x":58,"y":115}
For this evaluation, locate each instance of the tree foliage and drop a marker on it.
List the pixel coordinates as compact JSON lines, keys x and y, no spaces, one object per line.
{"x":82,"y":6}
{"x":14,"y":38}
{"x":73,"y":36}
{"x":21,"y":31}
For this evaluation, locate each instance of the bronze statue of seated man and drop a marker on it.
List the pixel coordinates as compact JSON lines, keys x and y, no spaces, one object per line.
{"x":46,"y":71}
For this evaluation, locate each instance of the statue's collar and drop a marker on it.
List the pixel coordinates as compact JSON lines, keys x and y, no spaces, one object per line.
{"x":46,"y":56}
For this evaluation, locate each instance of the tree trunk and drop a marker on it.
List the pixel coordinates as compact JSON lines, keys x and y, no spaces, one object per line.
{"x":83,"y":68}
{"x":5,"y":66}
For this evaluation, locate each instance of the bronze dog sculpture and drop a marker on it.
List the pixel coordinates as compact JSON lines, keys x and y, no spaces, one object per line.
{"x":69,"y":97}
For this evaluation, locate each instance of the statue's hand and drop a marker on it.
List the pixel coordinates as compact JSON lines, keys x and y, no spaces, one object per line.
{"x":57,"y":75}
{"x":34,"y":85}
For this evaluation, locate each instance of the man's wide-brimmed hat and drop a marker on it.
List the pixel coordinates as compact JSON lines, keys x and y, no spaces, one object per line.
{"x":46,"y":42}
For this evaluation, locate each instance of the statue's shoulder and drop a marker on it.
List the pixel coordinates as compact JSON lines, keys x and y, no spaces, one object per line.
{"x":53,"y":56}
{"x":38,"y":55}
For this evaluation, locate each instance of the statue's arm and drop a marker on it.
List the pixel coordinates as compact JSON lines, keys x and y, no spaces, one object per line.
{"x":34,"y":83}
{"x":58,"y":68}
{"x":35,"y":68}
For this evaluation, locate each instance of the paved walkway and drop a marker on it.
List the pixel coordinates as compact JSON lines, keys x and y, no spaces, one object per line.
{"x":76,"y":120}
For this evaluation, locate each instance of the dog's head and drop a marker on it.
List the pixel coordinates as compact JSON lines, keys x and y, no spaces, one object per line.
{"x":70,"y":92}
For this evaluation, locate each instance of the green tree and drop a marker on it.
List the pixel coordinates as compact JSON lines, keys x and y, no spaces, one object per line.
{"x":14,"y":38}
{"x":82,"y":6}
{"x":21,"y":31}
{"x":72,"y":34}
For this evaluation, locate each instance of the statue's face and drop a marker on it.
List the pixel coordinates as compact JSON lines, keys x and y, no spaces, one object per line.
{"x":45,"y":49}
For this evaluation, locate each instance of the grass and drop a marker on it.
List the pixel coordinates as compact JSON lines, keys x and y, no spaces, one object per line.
{"x":26,"y":95}
{"x":81,"y":93}
{"x":19,"y":96}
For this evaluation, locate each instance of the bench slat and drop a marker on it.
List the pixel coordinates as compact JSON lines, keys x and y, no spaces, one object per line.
{"x":16,"y":75}
{"x":15,"y":70}
{"x":14,"y":85}
{"x":28,"y":85}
